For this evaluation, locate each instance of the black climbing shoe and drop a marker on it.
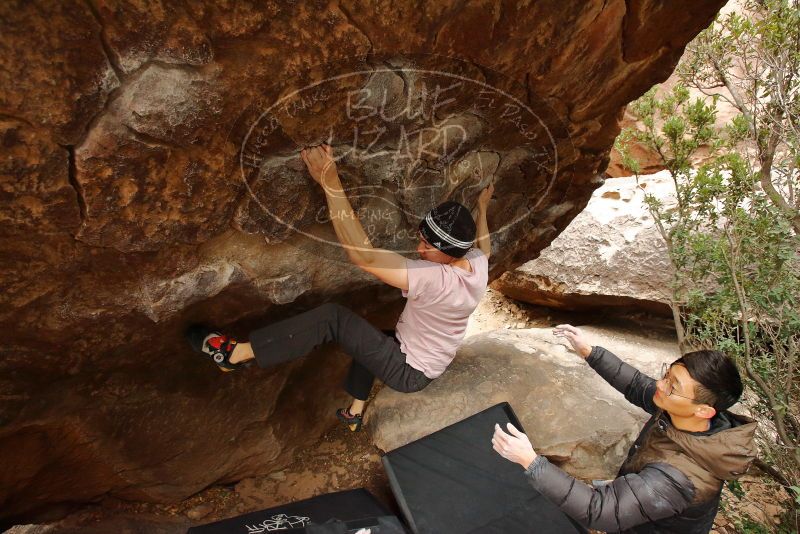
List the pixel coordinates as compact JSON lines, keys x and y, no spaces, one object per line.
{"x":353,"y":422}
{"x":214,"y":345}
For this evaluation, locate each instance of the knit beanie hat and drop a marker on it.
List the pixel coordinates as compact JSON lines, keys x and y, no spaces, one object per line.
{"x":449,"y":227}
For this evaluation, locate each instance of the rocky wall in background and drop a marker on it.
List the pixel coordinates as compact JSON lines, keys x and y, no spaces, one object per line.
{"x":149,"y":178}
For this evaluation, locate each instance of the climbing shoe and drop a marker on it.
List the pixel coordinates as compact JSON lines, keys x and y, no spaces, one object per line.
{"x":353,"y":422}
{"x":214,"y":345}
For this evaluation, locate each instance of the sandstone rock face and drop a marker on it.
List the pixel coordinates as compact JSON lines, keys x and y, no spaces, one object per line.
{"x":610,"y":255}
{"x":649,"y":160}
{"x":570,"y":414}
{"x":150,"y":179}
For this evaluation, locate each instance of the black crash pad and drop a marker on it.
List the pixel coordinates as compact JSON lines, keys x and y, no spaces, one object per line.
{"x":452,"y":481}
{"x":340,"y":512}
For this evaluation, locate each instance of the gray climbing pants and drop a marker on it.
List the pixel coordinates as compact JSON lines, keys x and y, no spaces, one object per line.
{"x":374,"y":353}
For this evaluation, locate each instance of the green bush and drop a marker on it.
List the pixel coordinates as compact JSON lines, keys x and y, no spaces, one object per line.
{"x":732,"y":233}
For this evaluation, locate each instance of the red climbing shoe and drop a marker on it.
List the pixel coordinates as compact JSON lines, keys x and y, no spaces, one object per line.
{"x":214,"y":345}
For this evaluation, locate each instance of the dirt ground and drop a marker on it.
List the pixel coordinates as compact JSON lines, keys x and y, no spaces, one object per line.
{"x":340,"y":460}
{"x":343,"y":460}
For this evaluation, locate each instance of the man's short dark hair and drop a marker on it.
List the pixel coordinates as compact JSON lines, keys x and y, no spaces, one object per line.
{"x":720,"y":384}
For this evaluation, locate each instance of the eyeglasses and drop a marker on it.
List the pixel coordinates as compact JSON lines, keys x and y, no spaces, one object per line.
{"x":669,"y":386}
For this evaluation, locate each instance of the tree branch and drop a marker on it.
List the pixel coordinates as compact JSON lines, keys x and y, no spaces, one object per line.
{"x":765,"y":175}
{"x":771,"y":471}
{"x":773,"y":404}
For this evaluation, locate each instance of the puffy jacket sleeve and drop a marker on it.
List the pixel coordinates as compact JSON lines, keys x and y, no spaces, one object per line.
{"x":656,"y":492}
{"x":637,"y":387}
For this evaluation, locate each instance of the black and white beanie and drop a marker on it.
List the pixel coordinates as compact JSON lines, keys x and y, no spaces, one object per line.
{"x":449,"y":227}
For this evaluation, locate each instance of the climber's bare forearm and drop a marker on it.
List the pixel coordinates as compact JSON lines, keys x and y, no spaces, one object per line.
{"x":387,"y":266}
{"x":483,"y":232}
{"x":345,"y":222}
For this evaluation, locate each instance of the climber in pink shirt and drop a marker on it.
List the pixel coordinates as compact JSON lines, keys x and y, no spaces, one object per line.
{"x":443,"y":288}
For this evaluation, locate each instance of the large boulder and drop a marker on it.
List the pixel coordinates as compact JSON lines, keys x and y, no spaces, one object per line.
{"x":611,"y":255}
{"x":152,"y":180}
{"x":570,"y":414}
{"x":649,"y":160}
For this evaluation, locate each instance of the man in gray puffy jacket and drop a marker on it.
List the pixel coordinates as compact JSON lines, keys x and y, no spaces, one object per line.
{"x":672,"y":478}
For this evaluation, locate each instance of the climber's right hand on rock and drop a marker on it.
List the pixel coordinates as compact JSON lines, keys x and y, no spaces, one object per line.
{"x":575,"y":337}
{"x":319,"y":162}
{"x":485,"y":196}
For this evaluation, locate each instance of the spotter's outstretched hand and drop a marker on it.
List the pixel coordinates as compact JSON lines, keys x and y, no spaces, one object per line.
{"x":575,"y":338}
